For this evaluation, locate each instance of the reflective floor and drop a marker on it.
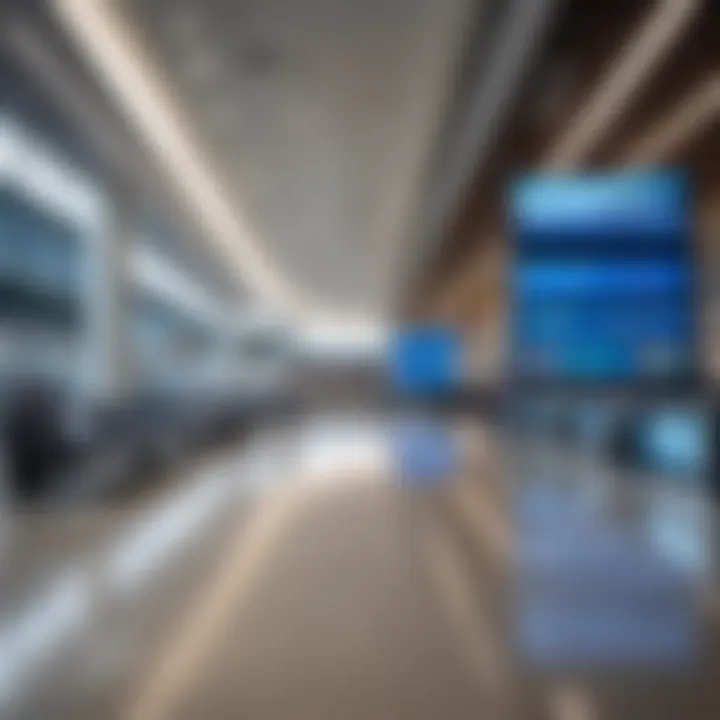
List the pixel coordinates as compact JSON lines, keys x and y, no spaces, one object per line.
{"x":293,"y":578}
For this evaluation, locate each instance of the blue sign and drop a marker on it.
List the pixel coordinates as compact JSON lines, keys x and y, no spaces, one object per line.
{"x":603,"y":279}
{"x":639,"y":206}
{"x":425,"y":359}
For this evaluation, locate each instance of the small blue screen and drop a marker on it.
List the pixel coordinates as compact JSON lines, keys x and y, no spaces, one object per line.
{"x":425,"y":359}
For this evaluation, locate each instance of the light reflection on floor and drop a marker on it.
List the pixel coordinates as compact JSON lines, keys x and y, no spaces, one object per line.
{"x":337,"y":449}
{"x":89,"y":597}
{"x":148,"y":539}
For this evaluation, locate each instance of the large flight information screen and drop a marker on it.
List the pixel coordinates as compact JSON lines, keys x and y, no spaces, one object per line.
{"x":603,"y":277}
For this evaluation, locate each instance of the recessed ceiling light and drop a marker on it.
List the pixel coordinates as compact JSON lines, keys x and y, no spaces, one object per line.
{"x":113,"y":48}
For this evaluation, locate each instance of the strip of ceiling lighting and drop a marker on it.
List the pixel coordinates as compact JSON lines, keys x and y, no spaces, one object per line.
{"x":666,"y":136}
{"x":634,"y":66}
{"x":112,"y":48}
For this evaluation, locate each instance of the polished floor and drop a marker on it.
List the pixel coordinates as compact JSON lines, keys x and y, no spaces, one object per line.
{"x":293,"y":579}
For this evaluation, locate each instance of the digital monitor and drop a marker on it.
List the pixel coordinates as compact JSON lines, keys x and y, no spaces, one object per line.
{"x":603,"y":281}
{"x":425,"y":359}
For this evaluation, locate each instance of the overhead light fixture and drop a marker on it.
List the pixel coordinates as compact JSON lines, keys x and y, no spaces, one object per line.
{"x":634,"y":66}
{"x":666,"y":136}
{"x":114,"y":51}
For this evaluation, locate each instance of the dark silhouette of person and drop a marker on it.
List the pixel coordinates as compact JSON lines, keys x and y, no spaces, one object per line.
{"x":33,"y":439}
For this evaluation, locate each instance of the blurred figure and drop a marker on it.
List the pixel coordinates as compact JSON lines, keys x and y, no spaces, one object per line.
{"x":33,"y":439}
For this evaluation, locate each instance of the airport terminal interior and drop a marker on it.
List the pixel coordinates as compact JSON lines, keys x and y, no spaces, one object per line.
{"x":358,"y":359}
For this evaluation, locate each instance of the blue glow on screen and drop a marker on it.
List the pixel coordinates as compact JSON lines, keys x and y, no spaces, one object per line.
{"x":602,"y":277}
{"x":643,"y":204}
{"x":582,"y":306}
{"x":425,"y":359}
{"x":602,"y":320}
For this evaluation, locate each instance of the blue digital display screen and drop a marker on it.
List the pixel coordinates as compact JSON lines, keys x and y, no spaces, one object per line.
{"x":640,"y":207}
{"x":603,"y":279}
{"x":425,"y":359}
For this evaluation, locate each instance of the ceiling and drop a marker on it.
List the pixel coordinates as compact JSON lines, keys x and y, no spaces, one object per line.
{"x":314,"y":135}
{"x":315,"y":120}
